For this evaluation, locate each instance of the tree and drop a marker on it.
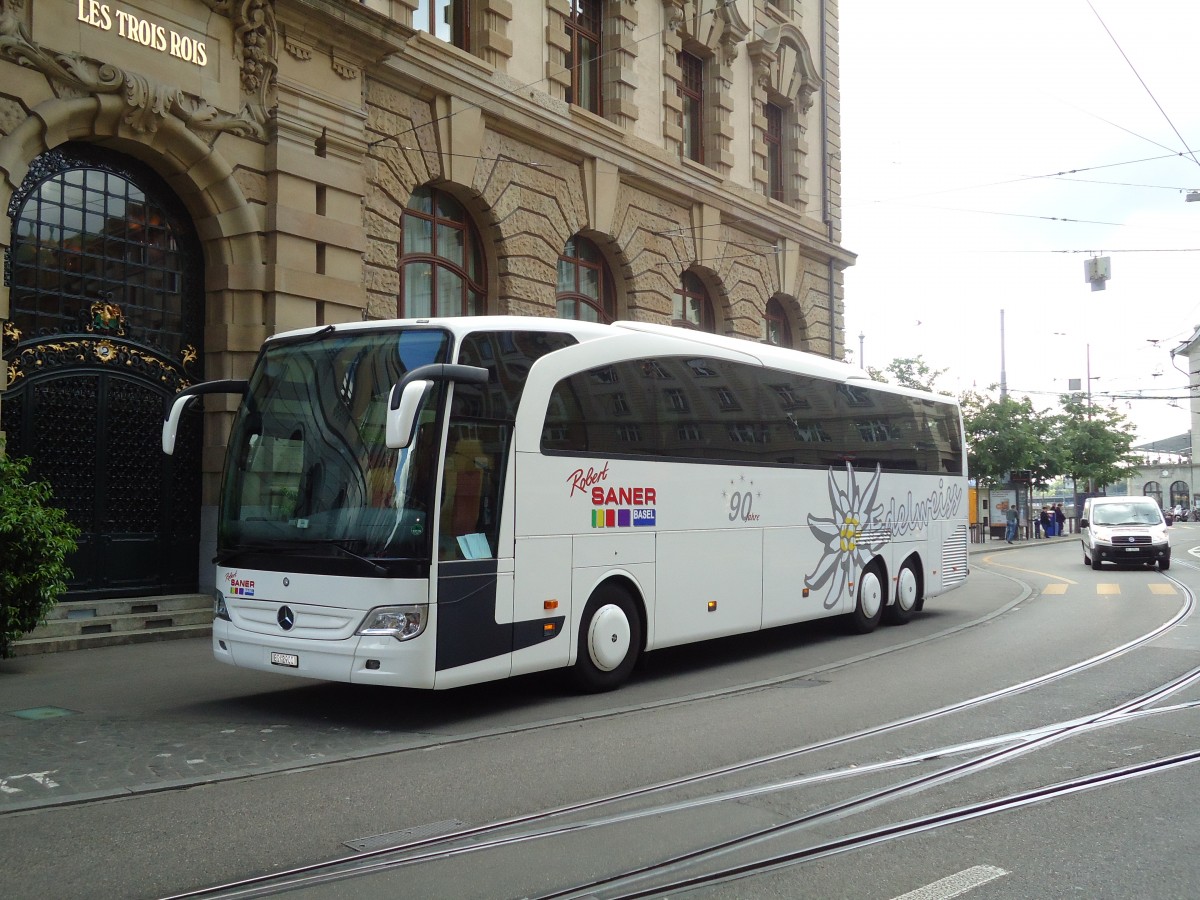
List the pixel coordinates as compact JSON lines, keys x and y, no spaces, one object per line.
{"x":911,"y":372}
{"x":1095,"y":443}
{"x":35,"y":540}
{"x":1006,"y":436}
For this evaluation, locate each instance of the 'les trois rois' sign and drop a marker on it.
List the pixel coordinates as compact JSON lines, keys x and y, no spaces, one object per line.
{"x":109,"y":17}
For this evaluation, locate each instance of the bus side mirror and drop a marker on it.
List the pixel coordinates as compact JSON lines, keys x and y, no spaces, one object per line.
{"x":403,"y":408}
{"x":171,"y":426}
{"x":174,"y":406}
{"x":407,"y":397}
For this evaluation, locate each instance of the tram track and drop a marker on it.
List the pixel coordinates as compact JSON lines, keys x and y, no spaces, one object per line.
{"x":984,"y":754}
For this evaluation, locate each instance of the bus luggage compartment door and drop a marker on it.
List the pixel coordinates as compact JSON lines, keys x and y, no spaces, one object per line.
{"x":542,"y":603}
{"x":699,"y":568}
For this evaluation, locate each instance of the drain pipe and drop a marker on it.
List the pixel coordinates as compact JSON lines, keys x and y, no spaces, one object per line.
{"x":827,"y":174}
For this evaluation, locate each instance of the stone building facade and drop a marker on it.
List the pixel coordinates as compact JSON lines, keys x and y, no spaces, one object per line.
{"x":184,"y":178}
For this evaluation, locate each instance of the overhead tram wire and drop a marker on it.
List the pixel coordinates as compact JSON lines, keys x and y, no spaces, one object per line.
{"x":1017,"y":180}
{"x":1143,"y":83}
{"x":1128,"y":131}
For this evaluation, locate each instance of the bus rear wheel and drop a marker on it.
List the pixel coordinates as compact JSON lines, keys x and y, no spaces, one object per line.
{"x":908,"y":594}
{"x":610,"y":639}
{"x":868,"y":609}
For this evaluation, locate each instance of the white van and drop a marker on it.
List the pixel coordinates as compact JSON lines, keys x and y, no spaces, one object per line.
{"x":1124,"y":529}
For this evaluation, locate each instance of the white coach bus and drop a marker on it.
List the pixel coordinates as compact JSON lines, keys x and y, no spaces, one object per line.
{"x":433,"y":503}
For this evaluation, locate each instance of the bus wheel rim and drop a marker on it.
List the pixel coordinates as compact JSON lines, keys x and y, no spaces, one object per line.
{"x":608,"y":637}
{"x":906,"y":590}
{"x":871,"y":595}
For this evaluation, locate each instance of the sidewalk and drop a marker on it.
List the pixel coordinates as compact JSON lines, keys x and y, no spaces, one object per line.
{"x":998,"y":544}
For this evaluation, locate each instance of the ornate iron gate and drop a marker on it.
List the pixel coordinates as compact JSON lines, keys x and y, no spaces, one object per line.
{"x":106,"y":322}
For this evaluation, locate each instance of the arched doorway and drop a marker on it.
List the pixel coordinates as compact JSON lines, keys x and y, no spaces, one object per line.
{"x":106,"y":322}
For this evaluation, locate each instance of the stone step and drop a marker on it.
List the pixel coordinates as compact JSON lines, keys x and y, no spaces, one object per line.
{"x":85,"y":609}
{"x":110,"y":624}
{"x":79,"y":624}
{"x":31,"y":646}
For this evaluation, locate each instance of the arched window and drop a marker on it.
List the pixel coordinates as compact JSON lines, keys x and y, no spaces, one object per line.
{"x":1180,"y":496}
{"x":691,"y":307}
{"x":1153,"y":489}
{"x":776,"y":329}
{"x":585,"y":288}
{"x":92,"y":240}
{"x":441,"y":262}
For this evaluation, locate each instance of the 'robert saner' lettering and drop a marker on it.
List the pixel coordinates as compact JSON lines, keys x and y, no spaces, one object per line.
{"x":625,"y":496}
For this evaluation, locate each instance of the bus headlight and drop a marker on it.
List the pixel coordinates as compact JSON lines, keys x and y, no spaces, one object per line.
{"x":220,"y":611}
{"x":401,"y":622}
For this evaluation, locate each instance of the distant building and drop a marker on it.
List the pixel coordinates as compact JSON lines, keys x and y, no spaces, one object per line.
{"x":1171,"y":476}
{"x":184,"y":178}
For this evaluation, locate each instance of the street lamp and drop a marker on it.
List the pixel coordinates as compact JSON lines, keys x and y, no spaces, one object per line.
{"x":1073,"y":383}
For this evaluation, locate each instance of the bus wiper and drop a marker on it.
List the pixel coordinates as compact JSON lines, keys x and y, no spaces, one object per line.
{"x":226,"y":557}
{"x":292,"y":548}
{"x":306,"y":338}
{"x":337,"y":545}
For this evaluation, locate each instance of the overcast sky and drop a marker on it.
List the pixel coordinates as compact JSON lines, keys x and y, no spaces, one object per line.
{"x":956,"y":118}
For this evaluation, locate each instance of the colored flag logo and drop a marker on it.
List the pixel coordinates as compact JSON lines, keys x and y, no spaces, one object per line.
{"x":624,"y":518}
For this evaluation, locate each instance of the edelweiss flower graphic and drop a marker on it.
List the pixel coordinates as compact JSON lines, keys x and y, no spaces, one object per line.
{"x":849,"y":538}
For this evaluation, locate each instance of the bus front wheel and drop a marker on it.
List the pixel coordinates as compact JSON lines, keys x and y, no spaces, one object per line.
{"x":610,"y":639}
{"x":868,"y":609}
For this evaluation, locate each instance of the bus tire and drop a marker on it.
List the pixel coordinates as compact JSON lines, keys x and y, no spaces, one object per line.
{"x":610,"y":639}
{"x":908,"y":596}
{"x":868,"y":608}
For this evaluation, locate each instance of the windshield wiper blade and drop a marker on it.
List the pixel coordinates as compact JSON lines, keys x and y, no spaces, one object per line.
{"x":306,"y":338}
{"x":294,"y":548}
{"x":338,"y":545}
{"x":225,"y":557}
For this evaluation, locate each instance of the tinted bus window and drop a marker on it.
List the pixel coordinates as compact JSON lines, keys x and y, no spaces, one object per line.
{"x":721,"y":411}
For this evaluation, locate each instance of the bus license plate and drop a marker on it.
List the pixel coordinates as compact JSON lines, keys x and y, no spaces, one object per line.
{"x":291,"y":660}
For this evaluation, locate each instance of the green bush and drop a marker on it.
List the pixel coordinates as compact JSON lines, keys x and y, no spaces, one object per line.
{"x":35,"y":540}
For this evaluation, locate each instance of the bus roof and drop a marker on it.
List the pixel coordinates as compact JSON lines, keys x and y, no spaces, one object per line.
{"x":462,"y":325}
{"x":768,"y":354}
{"x":702,"y":341}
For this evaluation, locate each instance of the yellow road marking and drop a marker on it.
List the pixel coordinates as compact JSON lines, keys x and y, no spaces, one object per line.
{"x":991,"y":562}
{"x":1163,"y":589}
{"x":1108,"y":589}
{"x":1054,"y":589}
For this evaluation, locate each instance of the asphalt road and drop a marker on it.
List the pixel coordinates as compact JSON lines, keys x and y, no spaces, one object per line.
{"x":165,"y":771}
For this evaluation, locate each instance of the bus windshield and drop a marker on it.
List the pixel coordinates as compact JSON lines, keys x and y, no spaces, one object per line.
{"x":308,"y":468}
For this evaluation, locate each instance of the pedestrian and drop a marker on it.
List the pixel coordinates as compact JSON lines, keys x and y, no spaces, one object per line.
{"x":1045,"y":523}
{"x":1060,"y":519}
{"x":1011,"y":518}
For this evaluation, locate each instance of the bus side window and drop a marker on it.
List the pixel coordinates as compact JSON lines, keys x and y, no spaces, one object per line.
{"x":468,"y":499}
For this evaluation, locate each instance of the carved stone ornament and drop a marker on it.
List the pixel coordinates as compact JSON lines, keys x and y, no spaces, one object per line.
{"x":150,"y":101}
